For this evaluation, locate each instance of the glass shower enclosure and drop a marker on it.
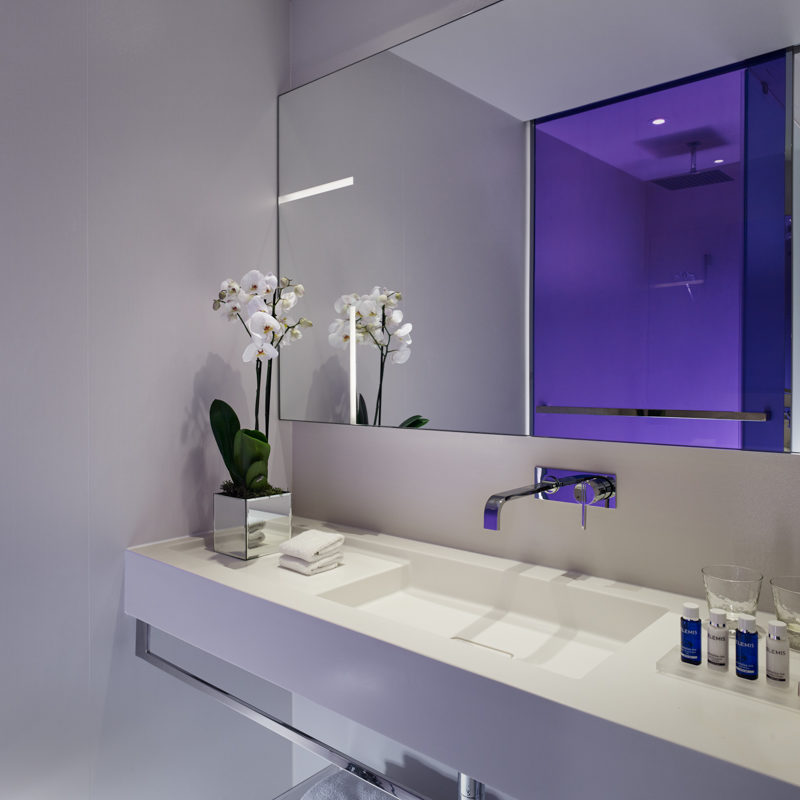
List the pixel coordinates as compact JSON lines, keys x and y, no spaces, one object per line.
{"x":662,"y":265}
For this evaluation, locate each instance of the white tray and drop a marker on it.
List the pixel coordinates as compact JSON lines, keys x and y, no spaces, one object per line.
{"x":759,"y":689}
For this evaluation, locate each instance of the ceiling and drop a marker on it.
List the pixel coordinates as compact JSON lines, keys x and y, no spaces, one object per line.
{"x":533,"y":58}
{"x":708,"y":111}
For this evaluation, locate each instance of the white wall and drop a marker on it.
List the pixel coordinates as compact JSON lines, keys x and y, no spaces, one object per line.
{"x":137,"y":170}
{"x":679,"y":508}
{"x":44,"y":594}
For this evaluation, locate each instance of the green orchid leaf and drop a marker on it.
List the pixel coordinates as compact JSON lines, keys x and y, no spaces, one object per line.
{"x":414,"y":421}
{"x":256,"y":478}
{"x":256,"y":435}
{"x":362,"y":415}
{"x":250,"y":450}
{"x":224,"y":425}
{"x":253,"y":447}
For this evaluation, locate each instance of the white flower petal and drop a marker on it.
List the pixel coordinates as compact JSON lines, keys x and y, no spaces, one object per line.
{"x":250,"y":351}
{"x":254,"y":305}
{"x":253,"y":282}
{"x":400,"y":356}
{"x":288,"y":300}
{"x":340,"y":341}
{"x":368,"y":309}
{"x":342,"y":305}
{"x":267,"y":351}
{"x":230,"y":287}
{"x":270,"y":283}
{"x":263,"y":324}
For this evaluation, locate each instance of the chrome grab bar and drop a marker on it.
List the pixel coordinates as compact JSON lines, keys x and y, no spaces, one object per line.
{"x":740,"y":416}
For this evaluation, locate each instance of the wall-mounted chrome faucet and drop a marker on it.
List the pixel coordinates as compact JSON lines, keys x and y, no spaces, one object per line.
{"x":588,"y":488}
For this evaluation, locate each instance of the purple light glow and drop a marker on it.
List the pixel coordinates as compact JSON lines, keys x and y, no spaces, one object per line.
{"x":607,"y":242}
{"x":621,"y":134}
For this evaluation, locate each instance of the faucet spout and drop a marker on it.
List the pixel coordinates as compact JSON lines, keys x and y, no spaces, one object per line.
{"x":494,"y":505}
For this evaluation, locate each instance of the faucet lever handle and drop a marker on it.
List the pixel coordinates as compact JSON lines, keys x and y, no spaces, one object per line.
{"x":580,"y":491}
{"x":593,"y":490}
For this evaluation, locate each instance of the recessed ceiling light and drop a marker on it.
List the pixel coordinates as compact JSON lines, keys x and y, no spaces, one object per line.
{"x":719,"y":160}
{"x":657,"y":121}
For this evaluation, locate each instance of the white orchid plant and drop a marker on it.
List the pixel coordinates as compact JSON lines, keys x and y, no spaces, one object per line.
{"x":379,"y":324}
{"x":261,"y":303}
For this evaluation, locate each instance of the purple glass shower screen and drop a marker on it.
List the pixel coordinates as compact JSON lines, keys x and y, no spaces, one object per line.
{"x":639,"y":289}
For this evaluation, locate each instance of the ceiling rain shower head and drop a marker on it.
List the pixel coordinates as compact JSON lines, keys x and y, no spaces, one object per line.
{"x":692,"y":178}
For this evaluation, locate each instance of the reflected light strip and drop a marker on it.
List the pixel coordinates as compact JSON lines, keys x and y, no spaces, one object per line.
{"x":312,"y":190}
{"x":352,"y":365}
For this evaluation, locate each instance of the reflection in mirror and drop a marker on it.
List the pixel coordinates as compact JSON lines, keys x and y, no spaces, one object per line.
{"x":431,"y":206}
{"x":408,"y":171}
{"x":661,"y":266}
{"x":795,"y":119}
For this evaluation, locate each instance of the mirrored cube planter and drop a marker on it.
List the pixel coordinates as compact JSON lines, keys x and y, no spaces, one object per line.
{"x":254,"y":527}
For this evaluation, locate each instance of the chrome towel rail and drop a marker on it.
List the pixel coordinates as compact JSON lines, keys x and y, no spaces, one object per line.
{"x":288,"y":732}
{"x":664,"y":413}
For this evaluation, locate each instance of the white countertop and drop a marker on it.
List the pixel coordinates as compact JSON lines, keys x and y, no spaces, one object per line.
{"x":404,"y":682}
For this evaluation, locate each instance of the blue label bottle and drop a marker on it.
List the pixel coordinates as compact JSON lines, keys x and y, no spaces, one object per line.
{"x":691,"y":636}
{"x":747,"y":647}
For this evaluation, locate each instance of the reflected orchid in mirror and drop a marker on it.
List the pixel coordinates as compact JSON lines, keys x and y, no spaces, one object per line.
{"x":379,"y":324}
{"x":261,"y":303}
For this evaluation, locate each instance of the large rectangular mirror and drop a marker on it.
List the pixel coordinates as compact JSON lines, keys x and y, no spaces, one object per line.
{"x":660,"y":312}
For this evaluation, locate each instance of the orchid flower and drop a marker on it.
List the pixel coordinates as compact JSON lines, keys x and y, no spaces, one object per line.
{"x":401,"y":355}
{"x":232,"y":309}
{"x":259,"y":348}
{"x":229,"y":288}
{"x":288,"y":300}
{"x":254,"y":283}
{"x":339,"y":333}
{"x":379,"y":324}
{"x":261,"y":302}
{"x":263,"y":324}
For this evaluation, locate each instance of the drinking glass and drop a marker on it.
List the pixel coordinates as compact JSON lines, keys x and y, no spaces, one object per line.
{"x":786,"y":594}
{"x":733,"y":589}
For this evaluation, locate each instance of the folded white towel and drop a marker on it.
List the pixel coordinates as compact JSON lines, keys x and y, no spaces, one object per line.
{"x":312,"y":545}
{"x":344,"y":786}
{"x":306,"y":568}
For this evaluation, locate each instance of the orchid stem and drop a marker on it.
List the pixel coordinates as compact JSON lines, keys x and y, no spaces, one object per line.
{"x":258,"y":388}
{"x":267,"y":398}
{"x":376,"y":420}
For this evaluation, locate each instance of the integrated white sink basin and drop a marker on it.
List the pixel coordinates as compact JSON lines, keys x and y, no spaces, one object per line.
{"x":546,"y":660}
{"x":516,"y":611}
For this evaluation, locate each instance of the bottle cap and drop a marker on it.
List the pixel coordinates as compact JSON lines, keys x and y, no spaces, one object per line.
{"x":718,"y":617}
{"x":777,"y":629}
{"x":691,"y":611}
{"x":747,"y":623}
